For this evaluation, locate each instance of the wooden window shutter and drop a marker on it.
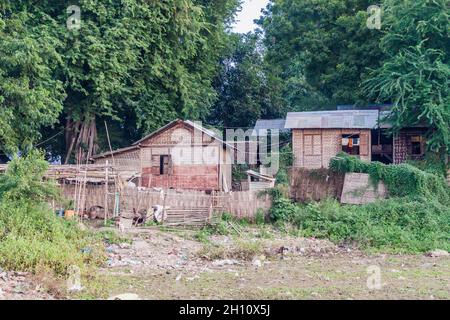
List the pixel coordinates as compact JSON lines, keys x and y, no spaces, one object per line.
{"x":364,"y":144}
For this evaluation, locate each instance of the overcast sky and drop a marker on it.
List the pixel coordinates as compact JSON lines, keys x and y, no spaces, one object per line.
{"x":251,"y":10}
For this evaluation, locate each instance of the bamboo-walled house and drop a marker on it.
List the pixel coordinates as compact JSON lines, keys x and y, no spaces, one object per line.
{"x":179,"y":155}
{"x":320,"y":135}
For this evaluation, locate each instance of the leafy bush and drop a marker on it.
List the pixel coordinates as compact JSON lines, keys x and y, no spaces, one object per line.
{"x":400,"y":224}
{"x":23,"y":179}
{"x":31,"y":236}
{"x":415,"y":219}
{"x":260,"y":217}
{"x":401,"y":180}
{"x":282,"y":209}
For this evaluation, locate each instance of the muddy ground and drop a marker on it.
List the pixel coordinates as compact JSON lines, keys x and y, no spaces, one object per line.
{"x":263,"y":264}
{"x":253,"y":263}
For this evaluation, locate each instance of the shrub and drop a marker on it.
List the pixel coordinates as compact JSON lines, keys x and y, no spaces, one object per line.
{"x":23,"y":180}
{"x":31,"y":236}
{"x":401,"y":180}
{"x":399,"y":225}
{"x":260,"y":217}
{"x":282,"y":209}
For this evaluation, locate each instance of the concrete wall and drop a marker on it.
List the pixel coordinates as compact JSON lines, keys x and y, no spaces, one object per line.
{"x":314,"y":148}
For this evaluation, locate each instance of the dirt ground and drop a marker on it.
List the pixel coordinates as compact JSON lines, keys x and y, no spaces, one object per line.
{"x":21,"y":286}
{"x":259,"y":264}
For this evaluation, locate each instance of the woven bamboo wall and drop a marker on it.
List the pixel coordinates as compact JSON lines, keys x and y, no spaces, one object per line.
{"x":243,"y":204}
{"x":317,"y":184}
{"x":314,"y":148}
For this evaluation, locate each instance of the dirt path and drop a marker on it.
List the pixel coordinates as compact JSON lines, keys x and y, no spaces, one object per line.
{"x":163,"y":265}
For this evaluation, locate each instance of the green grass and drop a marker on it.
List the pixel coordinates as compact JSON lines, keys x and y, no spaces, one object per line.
{"x":31,"y":237}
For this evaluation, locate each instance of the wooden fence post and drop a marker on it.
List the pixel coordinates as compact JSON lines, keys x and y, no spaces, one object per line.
{"x":106,"y":191}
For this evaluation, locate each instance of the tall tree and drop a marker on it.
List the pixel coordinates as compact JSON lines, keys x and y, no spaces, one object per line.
{"x":138,"y":63}
{"x":243,"y":94}
{"x":30,"y":96}
{"x":416,"y":74}
{"x":318,"y":50}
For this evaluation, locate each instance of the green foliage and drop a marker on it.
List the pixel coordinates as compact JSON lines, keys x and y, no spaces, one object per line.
{"x":400,"y":180}
{"x":432,"y":163}
{"x":30,"y":94}
{"x":239,"y":172}
{"x":318,"y":51}
{"x":415,"y":76}
{"x":260,"y":217}
{"x":286,"y":157}
{"x":399,"y":224}
{"x":282,"y":209}
{"x":243,"y":92}
{"x":23,"y":180}
{"x":138,"y":63}
{"x":31,"y":236}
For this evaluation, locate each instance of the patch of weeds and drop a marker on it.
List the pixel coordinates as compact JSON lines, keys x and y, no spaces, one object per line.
{"x":260,"y":217}
{"x":242,"y":250}
{"x":151,"y":223}
{"x":110,"y":223}
{"x":113,"y":237}
{"x":203,"y":235}
{"x":264,"y":232}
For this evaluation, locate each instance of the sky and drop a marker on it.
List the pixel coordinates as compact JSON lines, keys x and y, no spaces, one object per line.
{"x":251,"y":9}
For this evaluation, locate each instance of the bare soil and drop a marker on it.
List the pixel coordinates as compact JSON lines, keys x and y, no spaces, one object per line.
{"x":266,"y":265}
{"x":21,"y":286}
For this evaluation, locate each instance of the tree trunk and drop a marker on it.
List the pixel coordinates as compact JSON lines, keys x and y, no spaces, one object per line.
{"x":81,"y":140}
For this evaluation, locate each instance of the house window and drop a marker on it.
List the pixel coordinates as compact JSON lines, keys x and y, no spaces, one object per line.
{"x":164,"y":164}
{"x":350,"y":144}
{"x":416,"y":145}
{"x":312,"y":144}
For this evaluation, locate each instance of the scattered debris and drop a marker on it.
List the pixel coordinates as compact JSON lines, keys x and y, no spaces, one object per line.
{"x":125,"y":296}
{"x":257,"y":263}
{"x":224,"y":262}
{"x":438,"y":253}
{"x":20,"y":286}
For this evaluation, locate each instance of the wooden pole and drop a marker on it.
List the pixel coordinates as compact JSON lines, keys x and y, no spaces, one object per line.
{"x":114,"y":168}
{"x":106,"y":191}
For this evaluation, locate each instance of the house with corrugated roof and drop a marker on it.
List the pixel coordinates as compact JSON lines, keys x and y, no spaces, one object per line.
{"x":180,"y":155}
{"x":318,"y":136}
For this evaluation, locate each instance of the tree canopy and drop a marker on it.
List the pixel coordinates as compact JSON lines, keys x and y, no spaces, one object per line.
{"x":318,"y":51}
{"x":138,"y":63}
{"x":415,"y":76}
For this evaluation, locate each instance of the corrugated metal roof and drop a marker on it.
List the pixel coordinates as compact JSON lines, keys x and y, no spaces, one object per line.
{"x":270,"y":124}
{"x":108,"y":153}
{"x":263,"y":125}
{"x":340,"y":119}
